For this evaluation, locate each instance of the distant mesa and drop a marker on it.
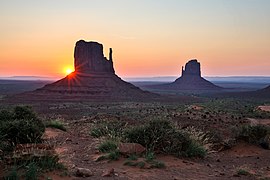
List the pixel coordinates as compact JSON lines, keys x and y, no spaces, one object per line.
{"x":94,"y":78}
{"x":191,"y":79}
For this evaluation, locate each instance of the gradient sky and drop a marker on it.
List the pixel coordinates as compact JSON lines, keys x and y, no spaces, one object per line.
{"x":148,"y":37}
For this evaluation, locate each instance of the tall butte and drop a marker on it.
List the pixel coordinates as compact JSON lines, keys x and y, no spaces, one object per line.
{"x":191,"y":79}
{"x":94,"y":78}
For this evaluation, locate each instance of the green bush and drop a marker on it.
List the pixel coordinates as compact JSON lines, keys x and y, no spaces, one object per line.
{"x":56,"y":124}
{"x":161,"y":136}
{"x":107,"y":146}
{"x":195,"y":150}
{"x":253,"y":134}
{"x":111,"y":129}
{"x":20,"y":126}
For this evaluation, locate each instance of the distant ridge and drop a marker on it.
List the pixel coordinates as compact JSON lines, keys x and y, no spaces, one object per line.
{"x":30,"y":78}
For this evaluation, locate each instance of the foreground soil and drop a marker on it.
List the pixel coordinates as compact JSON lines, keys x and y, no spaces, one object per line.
{"x":77,"y":149}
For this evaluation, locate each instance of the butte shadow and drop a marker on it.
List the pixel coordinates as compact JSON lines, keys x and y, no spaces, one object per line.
{"x":191,"y":81}
{"x":94,"y":78}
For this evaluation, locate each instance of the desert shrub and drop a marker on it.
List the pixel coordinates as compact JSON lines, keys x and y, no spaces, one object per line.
{"x":253,"y":134}
{"x":195,"y":150}
{"x":161,"y":136}
{"x":111,"y":129}
{"x":107,"y":146}
{"x":111,"y":156}
{"x":20,"y":126}
{"x":56,"y":124}
{"x":243,"y":172}
{"x":33,"y":167}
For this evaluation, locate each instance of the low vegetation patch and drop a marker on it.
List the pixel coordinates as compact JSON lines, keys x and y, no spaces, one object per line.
{"x":253,"y":134}
{"x":56,"y":124}
{"x":33,"y":168}
{"x":19,"y":126}
{"x":110,"y":129}
{"x":162,"y":136}
{"x":107,"y":146}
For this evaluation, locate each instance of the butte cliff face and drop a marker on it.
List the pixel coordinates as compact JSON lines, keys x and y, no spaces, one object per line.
{"x":191,"y":79}
{"x":89,"y":58}
{"x":94,"y":78}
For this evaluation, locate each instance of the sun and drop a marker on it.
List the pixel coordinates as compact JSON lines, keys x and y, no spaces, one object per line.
{"x":68,"y":70}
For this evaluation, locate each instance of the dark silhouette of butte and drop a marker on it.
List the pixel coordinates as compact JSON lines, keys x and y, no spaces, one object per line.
{"x":191,"y":79}
{"x":94,"y":77}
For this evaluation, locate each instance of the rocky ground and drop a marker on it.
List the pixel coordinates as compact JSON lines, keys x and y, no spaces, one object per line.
{"x":77,"y":149}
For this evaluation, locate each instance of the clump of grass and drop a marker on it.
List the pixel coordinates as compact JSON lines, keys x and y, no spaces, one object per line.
{"x":149,"y":156}
{"x":110,"y":129}
{"x":33,"y":167}
{"x":111,"y":156}
{"x":56,"y":124}
{"x":107,"y":146}
{"x":157,"y":164}
{"x":13,"y":175}
{"x":243,"y":172}
{"x":162,"y":136}
{"x":253,"y":134}
{"x":31,"y":172}
{"x":195,"y":150}
{"x":20,"y":126}
{"x":133,"y":157}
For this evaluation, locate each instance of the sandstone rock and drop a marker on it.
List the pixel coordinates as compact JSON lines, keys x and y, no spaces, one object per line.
{"x":192,"y":68}
{"x":108,"y":173}
{"x":265,"y":142}
{"x":89,"y":58}
{"x":94,"y":79}
{"x":131,"y":148}
{"x":83,"y":172}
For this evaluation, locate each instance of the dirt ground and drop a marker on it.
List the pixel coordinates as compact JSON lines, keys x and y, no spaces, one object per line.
{"x":77,"y":149}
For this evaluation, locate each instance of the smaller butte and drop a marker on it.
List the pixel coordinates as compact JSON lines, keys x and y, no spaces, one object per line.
{"x":191,"y":80}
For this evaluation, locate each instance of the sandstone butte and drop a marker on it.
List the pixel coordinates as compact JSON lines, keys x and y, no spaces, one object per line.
{"x":94,"y":78}
{"x":191,"y":79}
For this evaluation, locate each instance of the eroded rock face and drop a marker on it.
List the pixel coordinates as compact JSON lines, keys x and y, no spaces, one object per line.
{"x":89,"y":58}
{"x":192,"y":68}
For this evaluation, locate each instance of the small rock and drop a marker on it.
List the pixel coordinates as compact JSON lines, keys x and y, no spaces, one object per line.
{"x":108,"y":173}
{"x":218,"y":160}
{"x":265,"y":142}
{"x":131,"y":148}
{"x":83,"y":172}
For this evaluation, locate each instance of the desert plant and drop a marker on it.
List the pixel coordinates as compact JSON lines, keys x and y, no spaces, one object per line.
{"x":243,"y":172}
{"x":31,"y":172}
{"x":253,"y":134}
{"x":107,"y":146}
{"x":111,"y":129}
{"x":20,"y":126}
{"x":195,"y":150}
{"x":113,"y":155}
{"x":149,"y":156}
{"x":56,"y":124}
{"x":13,"y":175}
{"x":133,"y":157}
{"x":157,"y":164}
{"x":161,"y":136}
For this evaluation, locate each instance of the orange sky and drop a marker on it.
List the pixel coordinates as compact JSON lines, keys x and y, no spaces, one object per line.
{"x":149,"y":38}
